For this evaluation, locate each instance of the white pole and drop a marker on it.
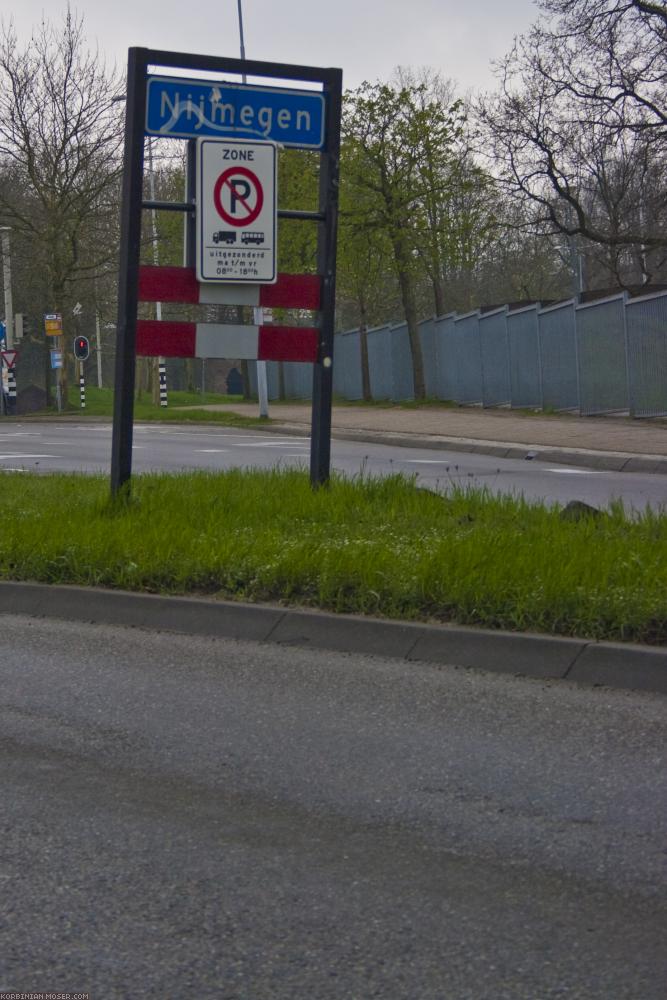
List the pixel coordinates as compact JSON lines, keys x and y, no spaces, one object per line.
{"x":156,"y":260}
{"x":262,"y":384}
{"x":7,"y":274}
{"x":99,"y":349}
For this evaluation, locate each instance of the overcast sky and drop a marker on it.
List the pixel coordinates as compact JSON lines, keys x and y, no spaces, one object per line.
{"x":366,"y":38}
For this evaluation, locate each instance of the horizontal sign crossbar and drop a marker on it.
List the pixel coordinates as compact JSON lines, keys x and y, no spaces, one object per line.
{"x":179,"y":284}
{"x":171,"y":339}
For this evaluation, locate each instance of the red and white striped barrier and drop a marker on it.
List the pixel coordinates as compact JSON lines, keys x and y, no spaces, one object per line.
{"x":223,"y":340}
{"x":179,"y":284}
{"x":174,"y":339}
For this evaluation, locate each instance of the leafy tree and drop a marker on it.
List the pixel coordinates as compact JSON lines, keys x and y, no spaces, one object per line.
{"x":397,"y":145}
{"x":298,"y":178}
{"x":365,"y":279}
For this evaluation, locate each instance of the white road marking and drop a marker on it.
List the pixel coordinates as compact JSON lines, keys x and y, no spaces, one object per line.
{"x":273,"y":444}
{"x":4,"y":458}
{"x":210,"y":451}
{"x":578,"y":472}
{"x":424,"y":461}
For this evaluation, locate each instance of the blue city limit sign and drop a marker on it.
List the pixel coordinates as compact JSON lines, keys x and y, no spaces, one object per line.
{"x":188,"y":108}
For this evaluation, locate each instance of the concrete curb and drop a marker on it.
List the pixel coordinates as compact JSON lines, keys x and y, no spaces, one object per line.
{"x":641,"y":668}
{"x":612,"y":461}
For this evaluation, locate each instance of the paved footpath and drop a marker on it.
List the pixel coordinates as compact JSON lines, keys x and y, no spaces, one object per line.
{"x":616,"y":443}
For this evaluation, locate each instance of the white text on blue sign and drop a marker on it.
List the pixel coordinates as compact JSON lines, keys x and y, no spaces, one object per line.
{"x":190,"y":108}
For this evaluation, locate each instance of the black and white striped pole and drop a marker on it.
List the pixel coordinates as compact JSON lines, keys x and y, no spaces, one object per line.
{"x":81,"y":352}
{"x":162,"y":368}
{"x":11,"y":389}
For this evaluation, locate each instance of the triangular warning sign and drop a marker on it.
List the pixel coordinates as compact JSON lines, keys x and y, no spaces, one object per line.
{"x":9,"y":357}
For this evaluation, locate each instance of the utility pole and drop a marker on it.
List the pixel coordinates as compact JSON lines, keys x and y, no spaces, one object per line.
{"x":7,"y":274}
{"x":258,"y":312}
{"x":7,"y":405}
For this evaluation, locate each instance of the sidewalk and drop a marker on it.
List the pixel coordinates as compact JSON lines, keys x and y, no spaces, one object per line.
{"x":614,"y":443}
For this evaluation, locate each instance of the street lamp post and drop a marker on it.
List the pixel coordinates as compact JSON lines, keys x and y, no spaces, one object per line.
{"x":241,"y":34}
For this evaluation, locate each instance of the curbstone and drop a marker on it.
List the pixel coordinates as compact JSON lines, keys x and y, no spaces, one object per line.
{"x":501,"y":652}
{"x":610,"y":461}
{"x":613,"y":664}
{"x":121,"y":607}
{"x":648,"y":465}
{"x":545,"y":657}
{"x":346,"y":633}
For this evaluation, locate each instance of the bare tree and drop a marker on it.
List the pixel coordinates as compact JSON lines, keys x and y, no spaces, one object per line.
{"x":579,"y":125}
{"x":61,"y":134}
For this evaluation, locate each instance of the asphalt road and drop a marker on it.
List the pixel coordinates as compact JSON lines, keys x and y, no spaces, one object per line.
{"x":188,"y":817}
{"x":87,"y":448}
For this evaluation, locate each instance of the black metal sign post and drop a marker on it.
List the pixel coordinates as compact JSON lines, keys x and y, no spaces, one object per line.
{"x":320,"y":436}
{"x":136,"y":127}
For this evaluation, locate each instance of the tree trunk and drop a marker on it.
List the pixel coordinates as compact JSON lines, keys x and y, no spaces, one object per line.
{"x":245,"y":370}
{"x":139,"y":379}
{"x":363,"y":346}
{"x":155,"y":381}
{"x":365,"y":369}
{"x":409,"y":301}
{"x":245,"y":378}
{"x":439,"y":298}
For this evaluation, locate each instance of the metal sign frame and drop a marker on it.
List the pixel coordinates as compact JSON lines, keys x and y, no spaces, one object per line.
{"x":331,"y":80}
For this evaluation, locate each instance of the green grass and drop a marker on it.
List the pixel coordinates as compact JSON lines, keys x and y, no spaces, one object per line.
{"x":373,"y":546}
{"x":99,"y":403}
{"x":430,"y":403}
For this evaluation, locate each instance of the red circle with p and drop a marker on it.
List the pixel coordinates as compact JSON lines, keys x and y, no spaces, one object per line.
{"x":238,"y":183}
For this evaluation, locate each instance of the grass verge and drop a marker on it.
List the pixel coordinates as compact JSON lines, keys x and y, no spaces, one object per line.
{"x":372,"y":546}
{"x":99,"y":403}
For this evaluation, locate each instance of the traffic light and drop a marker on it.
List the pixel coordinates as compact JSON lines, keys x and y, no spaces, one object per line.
{"x":81,"y":348}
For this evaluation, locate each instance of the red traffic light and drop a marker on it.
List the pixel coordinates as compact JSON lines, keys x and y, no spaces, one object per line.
{"x":81,"y":348}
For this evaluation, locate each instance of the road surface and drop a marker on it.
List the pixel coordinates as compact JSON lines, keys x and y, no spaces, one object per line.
{"x":87,"y":448}
{"x":192,"y":817}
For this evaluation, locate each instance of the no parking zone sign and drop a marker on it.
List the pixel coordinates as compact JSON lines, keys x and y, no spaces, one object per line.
{"x":236,"y":211}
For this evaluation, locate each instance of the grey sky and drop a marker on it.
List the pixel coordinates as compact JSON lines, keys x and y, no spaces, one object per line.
{"x":367,"y":38}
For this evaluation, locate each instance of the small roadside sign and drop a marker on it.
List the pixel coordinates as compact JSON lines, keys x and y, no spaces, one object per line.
{"x":56,"y":359}
{"x":237,"y":211}
{"x":9,"y":358}
{"x":53,"y":324}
